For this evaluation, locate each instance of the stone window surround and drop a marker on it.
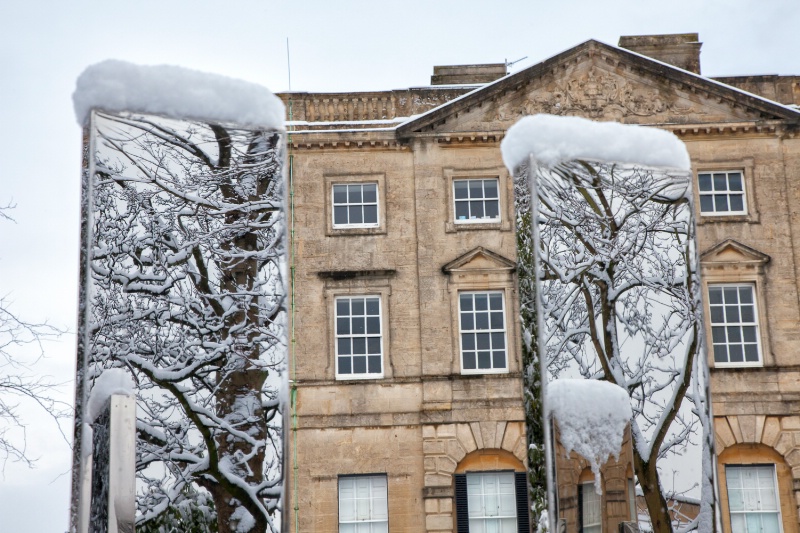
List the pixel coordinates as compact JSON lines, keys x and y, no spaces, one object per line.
{"x":365,"y":476}
{"x":480,"y":285}
{"x":492,"y":370}
{"x":746,"y":166}
{"x":505,"y":194}
{"x":727,"y":468}
{"x":725,"y":323}
{"x":368,"y":286}
{"x":366,"y":336}
{"x":726,"y":274}
{"x":348,"y":179}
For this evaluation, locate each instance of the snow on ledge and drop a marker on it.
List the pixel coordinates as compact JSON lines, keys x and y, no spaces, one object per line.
{"x":553,"y":139}
{"x":591,"y":416}
{"x":110,"y":382}
{"x":175,"y":92}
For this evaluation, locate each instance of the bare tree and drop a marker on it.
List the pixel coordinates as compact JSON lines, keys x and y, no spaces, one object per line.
{"x":621,"y":302}
{"x":187,"y":293}
{"x":18,"y":382}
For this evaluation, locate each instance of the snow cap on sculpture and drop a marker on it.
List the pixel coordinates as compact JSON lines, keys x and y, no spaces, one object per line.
{"x":591,"y":416}
{"x":175,"y":92}
{"x":552,"y":139}
{"x":111,"y":381}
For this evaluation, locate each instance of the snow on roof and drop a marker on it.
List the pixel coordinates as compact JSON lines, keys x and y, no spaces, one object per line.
{"x":175,"y":92}
{"x":591,"y":417}
{"x":552,"y":139}
{"x":111,"y":381}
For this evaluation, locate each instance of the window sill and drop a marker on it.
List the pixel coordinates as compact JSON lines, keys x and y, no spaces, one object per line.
{"x":344,"y":231}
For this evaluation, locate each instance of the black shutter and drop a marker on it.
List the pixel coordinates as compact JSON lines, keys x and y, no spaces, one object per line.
{"x":580,"y":508}
{"x":462,"y":509}
{"x":523,"y":509}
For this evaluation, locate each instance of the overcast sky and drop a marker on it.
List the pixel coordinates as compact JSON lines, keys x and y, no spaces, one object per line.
{"x":335,"y":46}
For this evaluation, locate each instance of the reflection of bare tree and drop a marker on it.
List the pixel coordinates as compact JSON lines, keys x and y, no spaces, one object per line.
{"x":621,"y":302}
{"x":186,"y":293}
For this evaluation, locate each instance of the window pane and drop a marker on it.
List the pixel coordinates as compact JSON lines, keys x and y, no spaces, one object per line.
{"x":355,"y":214}
{"x":340,"y":215}
{"x":736,"y":353}
{"x":468,"y":341}
{"x":481,"y":320}
{"x":465,"y":302}
{"x":707,"y":204}
{"x":717,"y":316}
{"x":492,"y":209}
{"x":373,"y":325}
{"x":748,"y":314}
{"x":344,"y":365}
{"x":359,"y":345}
{"x":498,"y":341}
{"x":476,"y":189}
{"x":343,"y":346}
{"x":462,"y":211}
{"x":358,"y":325}
{"x":476,"y":209}
{"x":497,"y":320}
{"x":374,"y":345}
{"x":734,"y":334}
{"x":484,"y":360}
{"x":751,"y":353}
{"x":481,"y":302}
{"x":715,"y":295}
{"x":490,"y":188}
{"x":460,"y":189}
{"x":467,"y":322}
{"x":735,"y":181}
{"x":499,"y":359}
{"x":374,"y":364}
{"x":339,"y":194}
{"x":496,"y":301}
{"x":731,"y":313}
{"x":469,"y":361}
{"x":721,"y":354}
{"x":359,"y":364}
{"x":705,"y":181}
{"x":737,"y":202}
{"x":370,"y":193}
{"x":483,"y":341}
{"x":720,"y":202}
{"x":749,"y":333}
{"x":357,"y":306}
{"x":746,"y":295}
{"x":373,"y":306}
{"x":370,"y":214}
{"x":354,"y":194}
{"x":720,"y":182}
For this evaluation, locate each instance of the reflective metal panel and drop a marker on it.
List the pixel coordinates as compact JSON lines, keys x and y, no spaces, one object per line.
{"x":183,"y":287}
{"x":617,"y":300}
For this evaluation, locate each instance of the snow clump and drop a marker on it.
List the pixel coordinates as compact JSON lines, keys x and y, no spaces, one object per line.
{"x":552,"y":139}
{"x":110,"y":382}
{"x":591,"y":417}
{"x":175,"y":92}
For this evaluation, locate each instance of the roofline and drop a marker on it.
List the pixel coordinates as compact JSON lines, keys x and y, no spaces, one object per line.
{"x":512,"y":81}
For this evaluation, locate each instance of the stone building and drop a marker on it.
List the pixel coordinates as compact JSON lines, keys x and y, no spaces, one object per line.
{"x":406,"y":348}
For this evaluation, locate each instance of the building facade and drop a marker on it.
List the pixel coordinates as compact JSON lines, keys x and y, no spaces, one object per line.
{"x":405,"y":353}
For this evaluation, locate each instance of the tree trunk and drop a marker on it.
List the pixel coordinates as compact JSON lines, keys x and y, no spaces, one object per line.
{"x":657,"y":508}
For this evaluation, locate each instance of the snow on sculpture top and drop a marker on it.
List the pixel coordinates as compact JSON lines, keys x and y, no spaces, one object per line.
{"x":551,"y":140}
{"x":591,"y":417}
{"x":111,"y":381}
{"x":175,"y":92}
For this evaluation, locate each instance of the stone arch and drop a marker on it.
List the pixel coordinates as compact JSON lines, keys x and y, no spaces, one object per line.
{"x":489,"y":459}
{"x":756,"y":453}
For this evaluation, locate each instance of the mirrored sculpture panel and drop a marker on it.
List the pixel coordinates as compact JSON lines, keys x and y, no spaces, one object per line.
{"x":617,"y":304}
{"x":183,"y":289}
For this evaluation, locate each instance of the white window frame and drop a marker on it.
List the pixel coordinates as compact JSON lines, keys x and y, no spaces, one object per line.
{"x":483,"y":199}
{"x":475,"y":331}
{"x":341,"y":335}
{"x":745,"y":512}
{"x":728,"y":193}
{"x":486,"y":503}
{"x":362,"y":204}
{"x":589,"y":496}
{"x":377,"y":501}
{"x":740,"y":324}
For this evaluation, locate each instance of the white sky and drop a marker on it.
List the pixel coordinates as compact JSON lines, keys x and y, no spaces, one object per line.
{"x":342,"y":45}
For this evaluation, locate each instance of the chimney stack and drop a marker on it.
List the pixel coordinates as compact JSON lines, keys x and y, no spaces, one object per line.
{"x":678,"y":49}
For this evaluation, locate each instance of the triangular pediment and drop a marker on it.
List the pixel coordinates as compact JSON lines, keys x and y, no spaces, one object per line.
{"x":730,"y":252}
{"x":479,"y":260}
{"x":601,"y":82}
